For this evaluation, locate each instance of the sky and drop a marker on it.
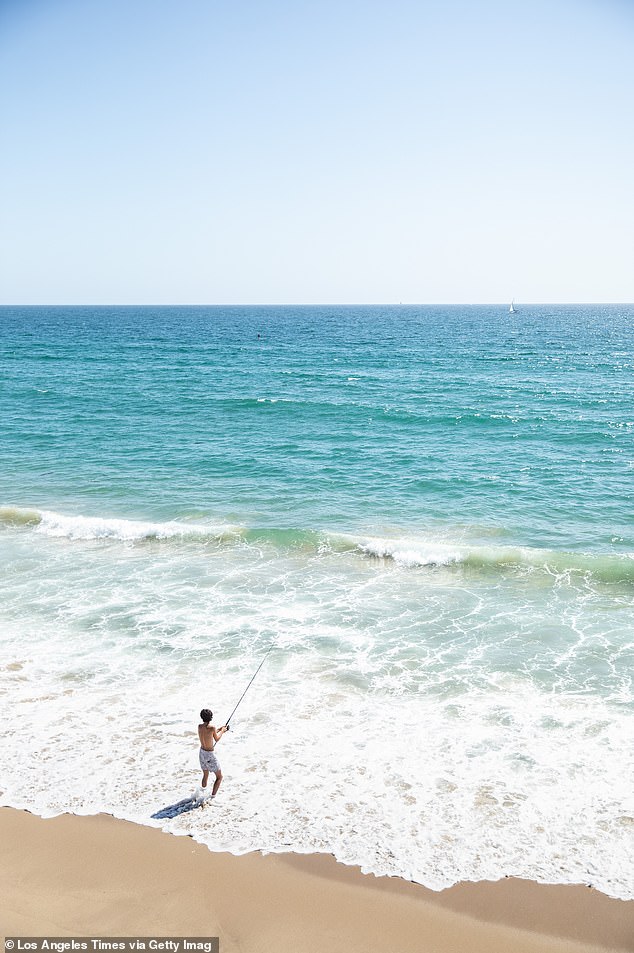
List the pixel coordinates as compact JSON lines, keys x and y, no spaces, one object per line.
{"x":316,"y":151}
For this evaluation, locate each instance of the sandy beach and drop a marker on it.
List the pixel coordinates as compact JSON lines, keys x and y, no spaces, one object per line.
{"x":74,"y":875}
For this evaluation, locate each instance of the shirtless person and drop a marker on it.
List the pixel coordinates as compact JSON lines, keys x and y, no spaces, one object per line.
{"x":208,"y":761}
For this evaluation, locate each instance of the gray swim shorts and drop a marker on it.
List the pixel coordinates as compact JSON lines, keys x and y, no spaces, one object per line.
{"x":208,"y":761}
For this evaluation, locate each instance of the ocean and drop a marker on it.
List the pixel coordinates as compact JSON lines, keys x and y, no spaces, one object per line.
{"x":426,"y":512}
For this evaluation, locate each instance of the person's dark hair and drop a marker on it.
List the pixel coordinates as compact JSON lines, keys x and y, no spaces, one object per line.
{"x":206,"y":715}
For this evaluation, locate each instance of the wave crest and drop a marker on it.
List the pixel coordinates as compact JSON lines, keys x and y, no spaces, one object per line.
{"x":406,"y":552}
{"x":611,"y":567}
{"x":93,"y":527}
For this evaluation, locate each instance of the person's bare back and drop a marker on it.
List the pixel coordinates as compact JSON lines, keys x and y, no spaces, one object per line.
{"x":208,"y":737}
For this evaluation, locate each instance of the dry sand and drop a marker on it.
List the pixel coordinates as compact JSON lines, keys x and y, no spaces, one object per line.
{"x":99,"y":876}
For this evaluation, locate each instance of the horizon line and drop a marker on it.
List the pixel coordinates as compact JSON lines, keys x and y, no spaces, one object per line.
{"x":299,"y":304}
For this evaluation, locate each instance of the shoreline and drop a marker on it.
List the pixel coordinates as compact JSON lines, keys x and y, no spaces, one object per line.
{"x":98,"y":875}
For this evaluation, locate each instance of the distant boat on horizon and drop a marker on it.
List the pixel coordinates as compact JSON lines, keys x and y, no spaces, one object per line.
{"x":512,"y":309}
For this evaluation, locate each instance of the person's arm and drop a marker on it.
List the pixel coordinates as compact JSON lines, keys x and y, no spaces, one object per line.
{"x":219,"y":732}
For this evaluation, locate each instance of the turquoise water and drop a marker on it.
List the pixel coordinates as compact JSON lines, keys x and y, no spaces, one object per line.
{"x":426,"y":510}
{"x":348,"y":418}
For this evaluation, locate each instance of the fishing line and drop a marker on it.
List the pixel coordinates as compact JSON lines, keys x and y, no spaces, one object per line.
{"x":249,"y":685}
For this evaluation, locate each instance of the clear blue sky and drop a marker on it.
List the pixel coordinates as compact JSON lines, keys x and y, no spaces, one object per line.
{"x":207,"y":151}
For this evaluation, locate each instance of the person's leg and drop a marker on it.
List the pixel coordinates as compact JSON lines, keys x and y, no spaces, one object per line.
{"x":205,"y":776}
{"x":216,"y":783}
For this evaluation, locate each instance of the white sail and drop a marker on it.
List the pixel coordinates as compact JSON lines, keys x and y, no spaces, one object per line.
{"x":512,"y":309}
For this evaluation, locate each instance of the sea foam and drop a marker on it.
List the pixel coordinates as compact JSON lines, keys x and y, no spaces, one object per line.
{"x":77,"y":527}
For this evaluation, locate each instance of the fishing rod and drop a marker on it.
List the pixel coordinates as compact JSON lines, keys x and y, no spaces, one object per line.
{"x":249,"y":685}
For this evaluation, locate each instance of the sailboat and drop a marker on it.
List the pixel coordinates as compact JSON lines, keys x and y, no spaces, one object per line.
{"x":512,"y":310}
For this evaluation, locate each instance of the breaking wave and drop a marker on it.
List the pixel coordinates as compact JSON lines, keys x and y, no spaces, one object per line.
{"x":405,"y":552}
{"x":93,"y":527}
{"x":411,"y":553}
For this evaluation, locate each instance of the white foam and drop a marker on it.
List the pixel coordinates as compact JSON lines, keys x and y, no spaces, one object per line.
{"x":420,"y":552}
{"x":439,"y":732}
{"x":413,"y":552}
{"x":413,"y":788}
{"x":75,"y":527}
